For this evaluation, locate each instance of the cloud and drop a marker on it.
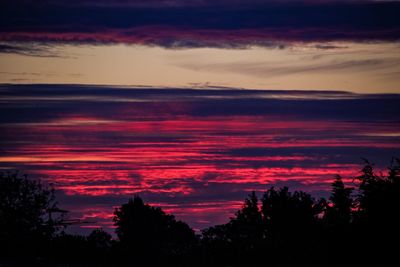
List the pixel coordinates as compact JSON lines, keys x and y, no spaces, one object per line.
{"x":199,"y":24}
{"x":173,"y":3}
{"x":28,"y":49}
{"x":266,"y":69}
{"x":18,"y":103}
{"x":197,"y":157}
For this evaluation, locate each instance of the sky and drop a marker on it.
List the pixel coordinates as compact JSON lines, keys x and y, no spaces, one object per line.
{"x":193,"y":104}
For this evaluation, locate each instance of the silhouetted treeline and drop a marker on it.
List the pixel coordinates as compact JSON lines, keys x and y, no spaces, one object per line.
{"x":357,"y":226}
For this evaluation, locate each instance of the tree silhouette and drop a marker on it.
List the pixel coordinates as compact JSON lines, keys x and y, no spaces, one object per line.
{"x":378,"y":216}
{"x":98,"y":238}
{"x":370,"y":191}
{"x":340,"y":210}
{"x":148,"y":230}
{"x":237,"y":240}
{"x":23,"y":207}
{"x":247,"y":225}
{"x":378,"y":198}
{"x":100,"y":247}
{"x":337,"y":219}
{"x":290,"y":229}
{"x":292,"y":226}
{"x":286,"y":213}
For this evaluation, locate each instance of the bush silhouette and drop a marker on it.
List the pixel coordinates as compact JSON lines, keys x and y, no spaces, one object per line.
{"x":99,"y":238}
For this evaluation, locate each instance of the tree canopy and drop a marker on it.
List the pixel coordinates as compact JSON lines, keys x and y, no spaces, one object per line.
{"x":24,"y":204}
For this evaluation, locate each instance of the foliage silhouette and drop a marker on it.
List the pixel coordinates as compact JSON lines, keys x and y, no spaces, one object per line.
{"x":377,"y":218}
{"x":236,"y":240}
{"x":340,"y":212}
{"x":100,"y":238}
{"x":23,"y":208}
{"x":337,"y":233}
{"x":285,"y":229}
{"x":146,"y":230}
{"x":288,"y":213}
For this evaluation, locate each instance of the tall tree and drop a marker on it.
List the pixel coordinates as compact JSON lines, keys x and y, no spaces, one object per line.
{"x":292,"y":226}
{"x":248,"y":223}
{"x":148,"y":230}
{"x":378,"y":216}
{"x":373,"y":204}
{"x":236,"y":242}
{"x":285,"y":212}
{"x":24,"y":204}
{"x":340,"y":211}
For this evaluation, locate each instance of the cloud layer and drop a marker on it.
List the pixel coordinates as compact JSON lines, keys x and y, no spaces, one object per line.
{"x":173,"y":24}
{"x":196,"y":153}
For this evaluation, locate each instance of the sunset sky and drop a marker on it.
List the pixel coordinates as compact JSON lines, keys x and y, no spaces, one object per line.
{"x":193,"y":104}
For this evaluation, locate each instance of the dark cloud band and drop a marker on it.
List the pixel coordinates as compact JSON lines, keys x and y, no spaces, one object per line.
{"x":223,"y":25}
